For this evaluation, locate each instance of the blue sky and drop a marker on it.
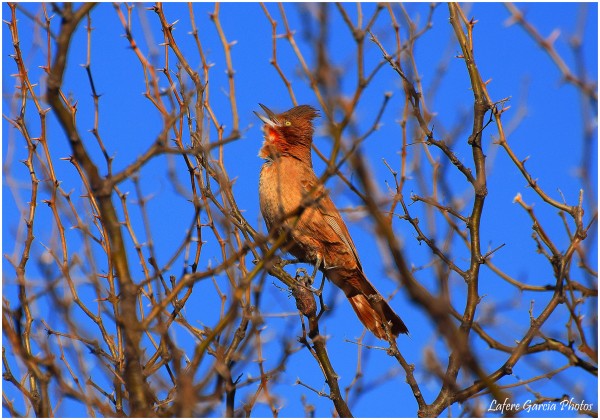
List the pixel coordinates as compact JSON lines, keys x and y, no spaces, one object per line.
{"x":550,"y":133}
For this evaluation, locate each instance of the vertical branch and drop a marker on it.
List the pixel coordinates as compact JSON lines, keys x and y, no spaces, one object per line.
{"x":37,"y":382}
{"x":305,"y":302}
{"x":274,"y":61}
{"x":480,"y":107}
{"x":289,"y":35}
{"x":101,"y":189}
{"x":230,"y":73}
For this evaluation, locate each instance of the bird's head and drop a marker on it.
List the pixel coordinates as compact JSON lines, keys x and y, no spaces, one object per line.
{"x":288,"y":133}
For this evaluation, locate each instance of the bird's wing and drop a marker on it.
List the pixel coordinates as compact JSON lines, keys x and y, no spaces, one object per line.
{"x":339,"y":227}
{"x":331,"y":215}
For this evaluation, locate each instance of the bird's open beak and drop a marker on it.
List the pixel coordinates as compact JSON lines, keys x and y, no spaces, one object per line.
{"x":270,"y":119}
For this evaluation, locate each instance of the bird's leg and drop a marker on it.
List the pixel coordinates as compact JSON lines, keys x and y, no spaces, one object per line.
{"x":317,"y":266}
{"x":320,"y":289}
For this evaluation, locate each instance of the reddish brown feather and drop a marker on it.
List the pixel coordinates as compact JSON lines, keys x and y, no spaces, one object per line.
{"x":286,"y":181}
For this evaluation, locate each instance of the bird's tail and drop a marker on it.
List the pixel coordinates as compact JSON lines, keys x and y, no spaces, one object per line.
{"x":371,"y":308}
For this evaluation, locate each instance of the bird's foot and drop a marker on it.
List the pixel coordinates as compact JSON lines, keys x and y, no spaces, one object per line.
{"x":302,"y":277}
{"x":376,"y":297}
{"x":305,"y":281}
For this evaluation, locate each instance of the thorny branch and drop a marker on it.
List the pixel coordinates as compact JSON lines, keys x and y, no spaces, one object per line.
{"x":123,"y":336}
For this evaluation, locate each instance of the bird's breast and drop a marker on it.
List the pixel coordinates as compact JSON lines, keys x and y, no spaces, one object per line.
{"x":280,"y":189}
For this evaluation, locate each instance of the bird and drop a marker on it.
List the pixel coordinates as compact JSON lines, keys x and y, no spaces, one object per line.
{"x":296,"y":205}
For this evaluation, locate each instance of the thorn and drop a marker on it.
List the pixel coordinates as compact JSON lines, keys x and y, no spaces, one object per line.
{"x":552,"y":37}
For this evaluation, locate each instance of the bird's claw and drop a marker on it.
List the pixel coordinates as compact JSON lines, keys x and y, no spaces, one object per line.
{"x":305,"y":281}
{"x":302,"y":276}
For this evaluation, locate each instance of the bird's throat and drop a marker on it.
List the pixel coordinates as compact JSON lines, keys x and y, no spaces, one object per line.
{"x":273,"y":144}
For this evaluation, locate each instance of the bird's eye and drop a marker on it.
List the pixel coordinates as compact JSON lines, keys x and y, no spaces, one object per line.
{"x":287,"y":123}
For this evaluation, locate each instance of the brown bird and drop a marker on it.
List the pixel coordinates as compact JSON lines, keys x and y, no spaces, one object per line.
{"x":293,"y":202}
